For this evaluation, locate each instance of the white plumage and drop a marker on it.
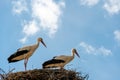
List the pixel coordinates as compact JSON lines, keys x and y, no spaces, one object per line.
{"x":25,"y":53}
{"x":60,"y":61}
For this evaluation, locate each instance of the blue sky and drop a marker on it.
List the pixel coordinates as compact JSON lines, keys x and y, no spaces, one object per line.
{"x":90,"y":26}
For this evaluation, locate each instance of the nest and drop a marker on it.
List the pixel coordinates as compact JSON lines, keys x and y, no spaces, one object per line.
{"x":46,"y":74}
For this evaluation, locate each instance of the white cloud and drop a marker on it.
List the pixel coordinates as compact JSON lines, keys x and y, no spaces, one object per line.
{"x":112,"y":6}
{"x":117,"y":35}
{"x":89,"y":2}
{"x":44,"y":14}
{"x":19,"y":6}
{"x":93,"y":50}
{"x":88,"y":48}
{"x":48,"y":13}
{"x":29,"y":28}
{"x":104,"y":51}
{"x":23,"y":40}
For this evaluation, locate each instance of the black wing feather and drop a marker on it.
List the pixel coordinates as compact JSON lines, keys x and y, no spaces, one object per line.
{"x":52,"y":61}
{"x":16,"y":54}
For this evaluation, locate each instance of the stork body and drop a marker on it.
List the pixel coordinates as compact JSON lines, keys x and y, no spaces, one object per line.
{"x":60,"y":61}
{"x":25,"y":53}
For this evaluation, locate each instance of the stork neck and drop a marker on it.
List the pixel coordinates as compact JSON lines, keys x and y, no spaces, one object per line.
{"x":73,"y":54}
{"x":38,"y":43}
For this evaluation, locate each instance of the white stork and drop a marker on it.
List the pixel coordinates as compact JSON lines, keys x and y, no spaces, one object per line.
{"x":60,"y":61}
{"x":25,"y":53}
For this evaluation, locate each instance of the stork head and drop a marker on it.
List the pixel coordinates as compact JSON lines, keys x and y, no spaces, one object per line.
{"x":41,"y":40}
{"x":75,"y":51}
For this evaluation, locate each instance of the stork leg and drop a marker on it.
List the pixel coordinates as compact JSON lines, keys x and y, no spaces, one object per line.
{"x":25,"y":63}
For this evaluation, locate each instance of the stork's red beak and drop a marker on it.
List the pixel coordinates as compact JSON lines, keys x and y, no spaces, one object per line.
{"x":44,"y":44}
